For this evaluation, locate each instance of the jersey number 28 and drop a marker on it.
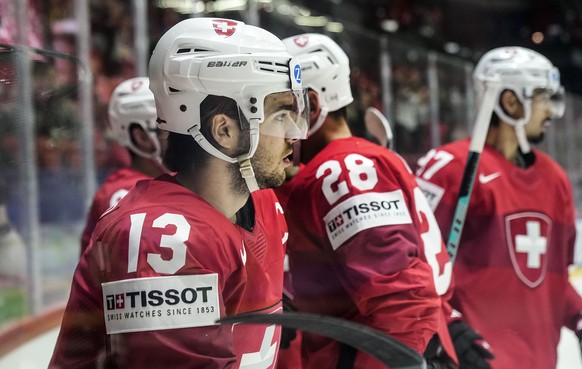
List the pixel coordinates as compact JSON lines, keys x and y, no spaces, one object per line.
{"x":363,"y":175}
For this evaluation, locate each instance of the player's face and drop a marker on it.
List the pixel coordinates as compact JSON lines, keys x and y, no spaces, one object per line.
{"x":273,"y":154}
{"x":541,"y":112}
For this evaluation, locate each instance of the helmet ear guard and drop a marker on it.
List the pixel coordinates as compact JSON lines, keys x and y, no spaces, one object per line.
{"x":132,"y":102}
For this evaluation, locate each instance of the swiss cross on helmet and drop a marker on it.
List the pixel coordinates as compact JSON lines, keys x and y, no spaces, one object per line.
{"x":224,"y":27}
{"x":132,"y":102}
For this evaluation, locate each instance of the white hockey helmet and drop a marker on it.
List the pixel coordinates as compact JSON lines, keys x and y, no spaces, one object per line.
{"x":132,"y":102}
{"x":522,"y":71}
{"x":199,"y":57}
{"x":326,"y":70}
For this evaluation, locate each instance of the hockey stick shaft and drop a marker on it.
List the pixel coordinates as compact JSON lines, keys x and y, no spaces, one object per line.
{"x":475,"y":148}
{"x":379,"y":345}
{"x":378,"y":126}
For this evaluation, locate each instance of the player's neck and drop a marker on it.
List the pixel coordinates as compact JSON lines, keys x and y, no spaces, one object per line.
{"x":340,"y":129}
{"x":330,"y":131}
{"x":504,"y":139}
{"x":213,"y":184}
{"x":149,"y":167}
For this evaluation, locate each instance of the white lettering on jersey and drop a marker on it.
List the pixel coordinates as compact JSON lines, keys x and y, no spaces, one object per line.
{"x":278,"y":208}
{"x":433,"y":244}
{"x":117,"y":196}
{"x":361,"y":173}
{"x":174,"y":242}
{"x":154,"y":303}
{"x":263,"y":358}
{"x":365,"y":211}
{"x":286,"y":263}
{"x":432,"y":192}
{"x":441,"y":159}
{"x":114,"y":199}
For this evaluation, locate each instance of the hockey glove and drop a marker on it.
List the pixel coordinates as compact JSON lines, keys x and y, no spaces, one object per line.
{"x":437,"y":364}
{"x":436,"y":357}
{"x":472,"y":350}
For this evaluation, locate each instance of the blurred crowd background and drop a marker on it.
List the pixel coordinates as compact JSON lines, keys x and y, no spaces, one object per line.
{"x":61,"y":59}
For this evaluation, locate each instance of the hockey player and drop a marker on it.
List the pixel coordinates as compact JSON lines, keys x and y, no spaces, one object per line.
{"x":511,"y":270}
{"x":179,"y":252}
{"x":357,"y":246}
{"x":132,"y":119}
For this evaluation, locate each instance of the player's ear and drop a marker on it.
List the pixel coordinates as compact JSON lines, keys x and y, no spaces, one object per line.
{"x":225,"y":131}
{"x":314,"y":107}
{"x":511,"y":104}
{"x":140,"y":138}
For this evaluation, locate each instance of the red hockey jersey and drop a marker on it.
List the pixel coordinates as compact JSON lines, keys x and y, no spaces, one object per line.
{"x":511,"y":270}
{"x":358,"y":226}
{"x":162,"y":267}
{"x":115,"y":187}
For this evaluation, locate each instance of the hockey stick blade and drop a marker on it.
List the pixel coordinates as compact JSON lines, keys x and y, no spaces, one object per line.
{"x":378,"y":126}
{"x":386,"y":349}
{"x":475,"y":148}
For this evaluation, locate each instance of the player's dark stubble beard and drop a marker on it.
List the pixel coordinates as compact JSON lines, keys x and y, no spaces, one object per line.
{"x":263,"y":161}
{"x":260,"y":162}
{"x":536,"y":139}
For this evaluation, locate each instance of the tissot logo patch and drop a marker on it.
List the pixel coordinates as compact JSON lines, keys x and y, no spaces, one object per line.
{"x":528,"y":236}
{"x":432,"y":192}
{"x":363,"y":212}
{"x":148,"y":304}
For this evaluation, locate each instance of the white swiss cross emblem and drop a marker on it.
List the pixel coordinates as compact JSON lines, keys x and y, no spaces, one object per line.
{"x":136,"y":85}
{"x":224,"y":27}
{"x":301,"y":41}
{"x":528,"y":237}
{"x":120,"y":301}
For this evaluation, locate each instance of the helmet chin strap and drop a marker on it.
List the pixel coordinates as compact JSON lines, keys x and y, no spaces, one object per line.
{"x":518,"y":124}
{"x":244,"y":161}
{"x":524,"y":145}
{"x":247,"y":172}
{"x":155,"y":155}
{"x":324,"y":109}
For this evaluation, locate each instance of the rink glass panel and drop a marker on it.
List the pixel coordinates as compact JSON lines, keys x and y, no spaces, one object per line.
{"x":42,"y":173}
